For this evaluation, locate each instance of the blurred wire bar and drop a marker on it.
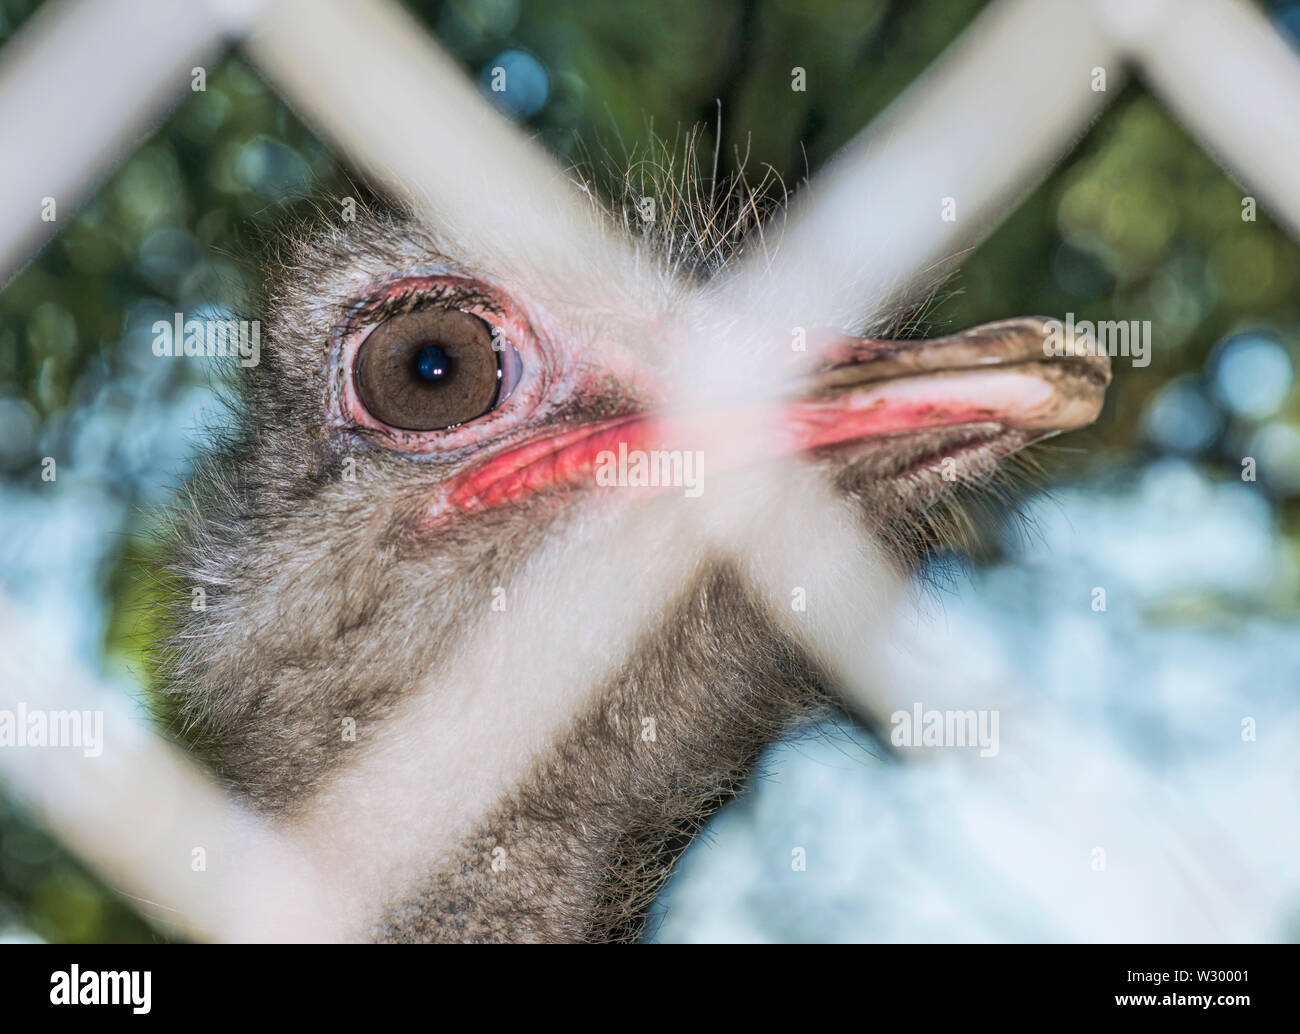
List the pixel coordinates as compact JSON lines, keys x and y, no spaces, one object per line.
{"x":79,"y":86}
{"x":141,"y":813}
{"x":1232,"y":80}
{"x":978,"y":130}
{"x":403,"y":111}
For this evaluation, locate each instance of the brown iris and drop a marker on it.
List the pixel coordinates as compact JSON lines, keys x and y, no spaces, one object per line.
{"x":428,"y":370}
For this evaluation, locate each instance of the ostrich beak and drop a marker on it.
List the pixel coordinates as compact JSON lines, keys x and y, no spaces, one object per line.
{"x":998,"y":373}
{"x":901,"y":405}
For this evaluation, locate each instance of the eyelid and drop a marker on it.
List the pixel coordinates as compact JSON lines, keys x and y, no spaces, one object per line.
{"x":382,"y":305}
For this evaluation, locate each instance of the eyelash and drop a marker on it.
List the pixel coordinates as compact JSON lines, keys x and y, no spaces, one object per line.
{"x":371,"y":312}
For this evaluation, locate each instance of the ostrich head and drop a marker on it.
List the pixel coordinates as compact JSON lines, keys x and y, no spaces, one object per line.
{"x":492,"y":697}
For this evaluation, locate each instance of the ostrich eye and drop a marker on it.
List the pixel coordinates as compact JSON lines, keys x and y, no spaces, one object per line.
{"x":433,"y":369}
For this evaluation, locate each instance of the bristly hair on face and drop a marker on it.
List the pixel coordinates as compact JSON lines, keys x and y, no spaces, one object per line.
{"x":312,"y":590}
{"x":681,"y":218}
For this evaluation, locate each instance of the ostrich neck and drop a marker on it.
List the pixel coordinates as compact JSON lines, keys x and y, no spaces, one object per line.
{"x":579,"y":849}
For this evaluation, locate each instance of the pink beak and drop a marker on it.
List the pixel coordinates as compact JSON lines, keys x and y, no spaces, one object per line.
{"x":996,"y":376}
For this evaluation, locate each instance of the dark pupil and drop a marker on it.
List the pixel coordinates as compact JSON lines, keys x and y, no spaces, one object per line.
{"x":429,"y":369}
{"x":432,"y":363}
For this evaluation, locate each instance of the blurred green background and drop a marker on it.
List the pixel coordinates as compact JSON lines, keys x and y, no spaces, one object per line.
{"x":1138,"y":224}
